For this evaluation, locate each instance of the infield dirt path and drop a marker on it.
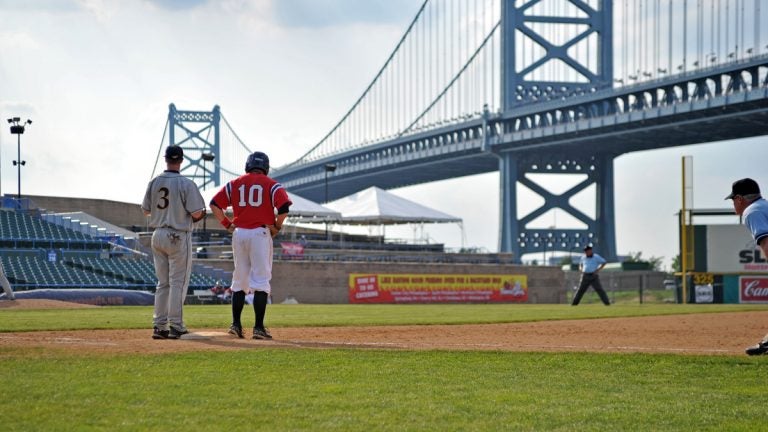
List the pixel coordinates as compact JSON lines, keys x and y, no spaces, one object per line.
{"x":708,"y":334}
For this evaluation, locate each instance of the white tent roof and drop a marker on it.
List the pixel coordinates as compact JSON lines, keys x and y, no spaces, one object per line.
{"x":302,"y":208}
{"x":306,"y":209}
{"x":377,"y":206}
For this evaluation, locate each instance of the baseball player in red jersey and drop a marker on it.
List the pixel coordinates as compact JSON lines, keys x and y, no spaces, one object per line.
{"x":254,"y":197}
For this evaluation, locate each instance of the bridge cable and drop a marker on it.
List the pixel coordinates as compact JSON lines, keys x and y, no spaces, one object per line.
{"x":367,"y":89}
{"x":157,"y":158}
{"x":455,"y":78}
{"x":235,"y":134}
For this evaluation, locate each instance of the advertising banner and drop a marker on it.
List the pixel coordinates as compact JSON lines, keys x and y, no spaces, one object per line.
{"x":753,"y":289}
{"x":704,"y":294}
{"x":292,"y":250}
{"x":437,"y":288}
{"x":731,"y":249}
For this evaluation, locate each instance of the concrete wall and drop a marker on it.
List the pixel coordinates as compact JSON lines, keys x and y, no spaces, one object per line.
{"x":327,"y":282}
{"x":115,"y":212}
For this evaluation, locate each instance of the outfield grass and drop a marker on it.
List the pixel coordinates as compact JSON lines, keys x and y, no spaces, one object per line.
{"x":212,"y":316}
{"x":308,"y":389}
{"x":280,"y":389}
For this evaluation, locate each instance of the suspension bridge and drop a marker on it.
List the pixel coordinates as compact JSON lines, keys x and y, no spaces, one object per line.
{"x":558,"y":87}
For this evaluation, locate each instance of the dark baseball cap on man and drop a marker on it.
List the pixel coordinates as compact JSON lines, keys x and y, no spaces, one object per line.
{"x":588,"y":247}
{"x":174,"y":153}
{"x":745,"y":186}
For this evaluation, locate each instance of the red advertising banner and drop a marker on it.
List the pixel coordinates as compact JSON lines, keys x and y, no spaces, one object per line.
{"x":753,"y":289}
{"x":292,"y":250}
{"x":437,"y":288}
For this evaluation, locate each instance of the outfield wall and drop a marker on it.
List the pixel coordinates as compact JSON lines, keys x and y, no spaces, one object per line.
{"x":327,"y":282}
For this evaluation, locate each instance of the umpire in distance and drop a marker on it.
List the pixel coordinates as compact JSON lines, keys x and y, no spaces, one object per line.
{"x":591,"y":263}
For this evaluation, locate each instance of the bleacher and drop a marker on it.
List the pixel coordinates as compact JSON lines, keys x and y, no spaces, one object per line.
{"x":40,"y":254}
{"x":21,"y":230}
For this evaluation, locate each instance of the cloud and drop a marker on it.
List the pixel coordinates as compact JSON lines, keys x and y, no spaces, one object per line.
{"x":17,"y":109}
{"x":16,"y":41}
{"x":328,"y":13}
{"x":177,"y":5}
{"x":39,"y":5}
{"x":101,"y":9}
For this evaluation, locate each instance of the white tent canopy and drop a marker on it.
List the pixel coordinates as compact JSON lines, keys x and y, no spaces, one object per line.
{"x":306,"y":210}
{"x":302,"y":209}
{"x":375,"y":206}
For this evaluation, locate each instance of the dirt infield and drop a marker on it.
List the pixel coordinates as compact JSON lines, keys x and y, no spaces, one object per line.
{"x":708,"y":334}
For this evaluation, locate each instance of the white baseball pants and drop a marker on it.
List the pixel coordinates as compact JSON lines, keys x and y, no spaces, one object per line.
{"x":252,"y":250}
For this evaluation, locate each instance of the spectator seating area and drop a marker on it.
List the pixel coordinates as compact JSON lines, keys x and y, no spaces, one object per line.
{"x":39,"y":254}
{"x":21,"y":230}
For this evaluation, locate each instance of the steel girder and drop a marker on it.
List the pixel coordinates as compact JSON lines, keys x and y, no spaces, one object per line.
{"x":198,"y":134}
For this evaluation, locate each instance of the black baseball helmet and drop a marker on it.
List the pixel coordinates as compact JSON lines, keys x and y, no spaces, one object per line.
{"x":257,"y":161}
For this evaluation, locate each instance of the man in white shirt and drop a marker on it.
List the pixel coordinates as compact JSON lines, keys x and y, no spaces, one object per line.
{"x":591,"y":263}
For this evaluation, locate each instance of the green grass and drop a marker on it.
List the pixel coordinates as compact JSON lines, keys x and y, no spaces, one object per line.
{"x":279,"y":389}
{"x":212,"y":316}
{"x":627,"y":297}
{"x":308,"y":389}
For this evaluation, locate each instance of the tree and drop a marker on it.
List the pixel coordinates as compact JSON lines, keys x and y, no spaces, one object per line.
{"x":677,"y":266}
{"x":653,"y":262}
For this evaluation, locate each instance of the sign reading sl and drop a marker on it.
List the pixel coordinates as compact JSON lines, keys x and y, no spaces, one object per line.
{"x":437,"y":288}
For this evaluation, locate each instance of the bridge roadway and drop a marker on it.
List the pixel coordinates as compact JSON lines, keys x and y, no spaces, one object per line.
{"x":712,"y":104}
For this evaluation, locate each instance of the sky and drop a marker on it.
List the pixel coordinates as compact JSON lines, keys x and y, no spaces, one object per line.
{"x":97,"y":76}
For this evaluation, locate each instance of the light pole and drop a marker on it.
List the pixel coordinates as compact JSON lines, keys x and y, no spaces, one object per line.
{"x":328,"y":168}
{"x":17,"y":129}
{"x":207,"y":157}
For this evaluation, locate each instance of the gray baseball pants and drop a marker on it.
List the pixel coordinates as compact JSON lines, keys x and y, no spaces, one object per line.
{"x":6,"y":285}
{"x":172,"y":251}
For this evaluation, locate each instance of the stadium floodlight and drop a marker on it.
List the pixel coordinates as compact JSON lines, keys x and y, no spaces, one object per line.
{"x":18,"y":129}
{"x":207,"y":157}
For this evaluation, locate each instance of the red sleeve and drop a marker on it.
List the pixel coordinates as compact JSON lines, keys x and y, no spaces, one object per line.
{"x":221,"y":199}
{"x":281,"y":198}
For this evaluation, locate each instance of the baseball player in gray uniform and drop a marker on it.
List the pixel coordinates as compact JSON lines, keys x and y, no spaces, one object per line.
{"x":173,"y":204}
{"x":6,"y":285}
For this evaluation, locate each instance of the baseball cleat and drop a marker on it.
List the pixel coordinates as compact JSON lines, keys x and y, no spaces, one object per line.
{"x":261,"y":333}
{"x":236,"y":331}
{"x":176,"y":334}
{"x":159,"y":334}
{"x":759,"y":349}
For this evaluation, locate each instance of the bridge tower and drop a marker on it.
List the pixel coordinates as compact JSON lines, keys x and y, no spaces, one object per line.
{"x":549,"y":56}
{"x":199,"y":136}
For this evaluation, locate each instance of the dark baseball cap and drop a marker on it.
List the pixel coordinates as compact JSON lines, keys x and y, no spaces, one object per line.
{"x":174,"y":153}
{"x":745,"y":186}
{"x":588,"y":247}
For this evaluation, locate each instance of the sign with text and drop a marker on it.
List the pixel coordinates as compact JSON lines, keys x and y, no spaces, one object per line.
{"x":753,"y":289}
{"x":704,"y":293}
{"x":292,"y":250}
{"x":437,"y":288}
{"x":731,"y":249}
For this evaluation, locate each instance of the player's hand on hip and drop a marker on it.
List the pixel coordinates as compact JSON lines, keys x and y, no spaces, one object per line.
{"x":273,"y":230}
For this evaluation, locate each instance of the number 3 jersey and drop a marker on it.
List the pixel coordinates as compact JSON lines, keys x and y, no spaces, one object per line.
{"x":254,"y":198}
{"x":170,"y":199}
